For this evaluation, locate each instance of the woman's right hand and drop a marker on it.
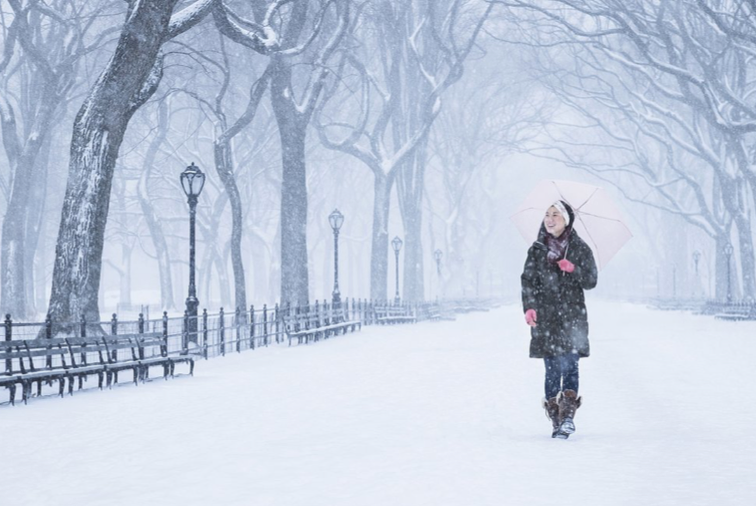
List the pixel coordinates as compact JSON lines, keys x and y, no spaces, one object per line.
{"x":531,"y":317}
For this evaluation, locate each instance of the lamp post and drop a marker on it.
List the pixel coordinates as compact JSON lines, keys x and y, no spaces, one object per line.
{"x":437,"y":255}
{"x":336,"y":219}
{"x":397,"y":245}
{"x":192,"y":181}
{"x":728,"y":254}
{"x":696,"y":258}
{"x":674,"y":281}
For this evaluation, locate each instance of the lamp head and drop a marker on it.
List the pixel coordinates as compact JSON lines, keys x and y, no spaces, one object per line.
{"x":192,"y":180}
{"x":396,"y":244}
{"x":336,"y":219}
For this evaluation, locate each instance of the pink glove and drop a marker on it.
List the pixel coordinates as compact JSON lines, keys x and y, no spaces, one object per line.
{"x":530,"y":317}
{"x":566,"y":265}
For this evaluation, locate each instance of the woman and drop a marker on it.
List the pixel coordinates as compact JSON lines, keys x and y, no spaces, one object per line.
{"x":560,"y":266}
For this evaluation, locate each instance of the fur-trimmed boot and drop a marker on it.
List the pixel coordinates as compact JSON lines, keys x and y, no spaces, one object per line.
{"x":552,"y":412}
{"x":569,"y":402}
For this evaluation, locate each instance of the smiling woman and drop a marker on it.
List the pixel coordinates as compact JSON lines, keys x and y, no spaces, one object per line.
{"x":554,"y":306}
{"x":554,"y":221}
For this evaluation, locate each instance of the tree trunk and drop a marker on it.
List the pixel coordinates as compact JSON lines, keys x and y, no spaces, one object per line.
{"x":224,"y":167}
{"x":745,"y":243}
{"x":412,"y":182}
{"x":35,"y":264}
{"x":292,"y":129}
{"x":13,"y":247}
{"x":152,"y":221}
{"x":380,"y":243}
{"x":724,"y":273}
{"x":125,"y":273}
{"x":130,"y":78}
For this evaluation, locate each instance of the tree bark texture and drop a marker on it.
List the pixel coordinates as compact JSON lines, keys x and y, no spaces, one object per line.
{"x":151,"y":218}
{"x":13,"y":249}
{"x":129,"y":79}
{"x":379,"y":251}
{"x":292,"y":128}
{"x":411,"y":182}
{"x":224,"y":167}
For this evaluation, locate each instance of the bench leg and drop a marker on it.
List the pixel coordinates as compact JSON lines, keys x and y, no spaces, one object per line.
{"x":191,"y":367}
{"x":12,"y":388}
{"x":71,"y":385}
{"x":62,"y":387}
{"x":81,"y":381}
{"x":137,"y":374}
{"x":39,"y":388}
{"x":24,"y":391}
{"x":100,"y":379}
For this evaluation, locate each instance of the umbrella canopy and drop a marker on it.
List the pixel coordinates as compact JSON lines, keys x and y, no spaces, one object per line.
{"x":597,"y":219}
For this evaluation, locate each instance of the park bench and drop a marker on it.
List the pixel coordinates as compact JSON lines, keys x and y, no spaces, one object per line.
{"x":390,"y":315}
{"x":312,"y":325}
{"x":438,"y":315}
{"x":74,"y":359}
{"x":735,"y":312}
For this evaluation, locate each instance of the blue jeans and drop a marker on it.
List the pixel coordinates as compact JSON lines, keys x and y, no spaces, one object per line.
{"x":561,"y":374}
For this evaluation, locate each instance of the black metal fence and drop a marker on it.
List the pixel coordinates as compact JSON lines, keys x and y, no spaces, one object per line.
{"x":225,"y":332}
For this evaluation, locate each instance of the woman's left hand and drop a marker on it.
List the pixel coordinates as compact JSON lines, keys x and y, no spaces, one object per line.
{"x":566,"y":265}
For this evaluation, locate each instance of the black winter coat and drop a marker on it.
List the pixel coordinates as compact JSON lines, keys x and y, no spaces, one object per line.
{"x":558,"y":298}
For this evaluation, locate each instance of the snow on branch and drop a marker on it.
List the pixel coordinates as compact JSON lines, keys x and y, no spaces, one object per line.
{"x":241,"y":31}
{"x":189,"y":17}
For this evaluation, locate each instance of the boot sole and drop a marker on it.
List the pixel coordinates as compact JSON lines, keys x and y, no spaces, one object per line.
{"x":567,"y":427}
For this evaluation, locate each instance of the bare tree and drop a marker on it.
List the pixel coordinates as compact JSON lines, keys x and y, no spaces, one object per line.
{"x":422,"y":47}
{"x":129,"y":79}
{"x":693,"y":62}
{"x":290,"y":33}
{"x":44,"y":46}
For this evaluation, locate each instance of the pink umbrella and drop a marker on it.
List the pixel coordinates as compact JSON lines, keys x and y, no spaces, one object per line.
{"x":597,"y":219}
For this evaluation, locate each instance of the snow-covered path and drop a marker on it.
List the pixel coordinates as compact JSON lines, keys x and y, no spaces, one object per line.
{"x":444,"y":413}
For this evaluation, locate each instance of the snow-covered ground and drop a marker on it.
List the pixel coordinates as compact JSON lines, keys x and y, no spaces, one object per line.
{"x":444,"y":413}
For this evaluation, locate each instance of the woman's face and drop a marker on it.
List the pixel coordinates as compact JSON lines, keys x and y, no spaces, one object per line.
{"x":554,"y":222}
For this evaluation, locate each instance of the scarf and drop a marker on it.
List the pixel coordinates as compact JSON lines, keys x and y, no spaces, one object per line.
{"x":557,"y":246}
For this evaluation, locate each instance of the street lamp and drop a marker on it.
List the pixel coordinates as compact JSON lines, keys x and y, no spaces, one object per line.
{"x":397,"y":245}
{"x":192,"y":181}
{"x":336,"y":219}
{"x":696,"y":258}
{"x":437,"y":255}
{"x":728,"y":254}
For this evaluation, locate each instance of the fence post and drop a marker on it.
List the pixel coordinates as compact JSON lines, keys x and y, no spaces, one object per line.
{"x":82,"y":333}
{"x":8,"y":337}
{"x":185,"y":331}
{"x":237,"y":322}
{"x":265,"y":324}
{"x":277,"y":319}
{"x":222,"y":331}
{"x":204,"y":332}
{"x":317,"y":313}
{"x":252,"y":326}
{"x":114,"y":325}
{"x":296,"y":317}
{"x":48,"y":335}
{"x":165,"y":334}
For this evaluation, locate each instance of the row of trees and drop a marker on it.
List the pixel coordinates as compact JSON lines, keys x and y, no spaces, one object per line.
{"x":656,"y":100}
{"x":368,"y":76}
{"x":652,"y":97}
